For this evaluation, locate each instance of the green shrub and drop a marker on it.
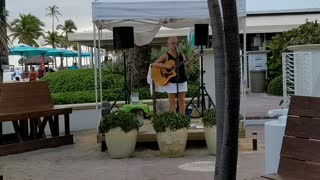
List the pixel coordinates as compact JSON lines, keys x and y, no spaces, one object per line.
{"x":307,"y":33}
{"x":114,"y":68}
{"x":209,"y":118}
{"x":80,"y":80}
{"x":79,"y":97}
{"x":73,"y":97}
{"x":125,"y":120}
{"x":171,"y":120}
{"x":144,"y":93}
{"x":192,"y":90}
{"x":77,"y":86}
{"x":275,"y":87}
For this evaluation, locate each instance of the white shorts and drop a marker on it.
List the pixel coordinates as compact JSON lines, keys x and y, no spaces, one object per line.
{"x":171,"y":88}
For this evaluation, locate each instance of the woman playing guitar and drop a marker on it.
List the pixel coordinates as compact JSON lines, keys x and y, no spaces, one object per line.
{"x":180,"y":79}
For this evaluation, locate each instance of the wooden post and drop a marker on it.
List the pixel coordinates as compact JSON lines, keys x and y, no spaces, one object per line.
{"x":42,"y":127}
{"x":51,"y":125}
{"x":17,"y":130}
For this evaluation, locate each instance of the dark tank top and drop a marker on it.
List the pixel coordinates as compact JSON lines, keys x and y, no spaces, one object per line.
{"x":181,"y":70}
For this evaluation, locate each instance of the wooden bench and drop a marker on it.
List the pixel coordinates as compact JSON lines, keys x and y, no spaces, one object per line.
{"x":300,"y":151}
{"x":29,"y":107}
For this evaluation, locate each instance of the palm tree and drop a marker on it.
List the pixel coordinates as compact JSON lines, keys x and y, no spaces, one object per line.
{"x":3,"y":36}
{"x":219,"y":60}
{"x":27,"y":29}
{"x":140,"y":65}
{"x":53,"y":12}
{"x":229,"y":152}
{"x":52,"y":39}
{"x":68,"y":27}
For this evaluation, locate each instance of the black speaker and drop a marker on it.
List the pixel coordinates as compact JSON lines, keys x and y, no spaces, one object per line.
{"x":201,"y":34}
{"x":123,"y":37}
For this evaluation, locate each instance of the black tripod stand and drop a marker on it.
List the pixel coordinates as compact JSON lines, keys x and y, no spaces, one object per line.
{"x":125,"y":88}
{"x":201,"y":92}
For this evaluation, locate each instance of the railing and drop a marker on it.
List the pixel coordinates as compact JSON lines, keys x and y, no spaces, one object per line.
{"x":297,"y":75}
{"x":288,"y":77}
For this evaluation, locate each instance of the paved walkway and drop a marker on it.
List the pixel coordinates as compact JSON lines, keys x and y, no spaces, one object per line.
{"x":258,"y":104}
{"x":83,"y":160}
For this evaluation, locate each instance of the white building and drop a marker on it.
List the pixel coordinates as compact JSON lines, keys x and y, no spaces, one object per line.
{"x":261,"y":26}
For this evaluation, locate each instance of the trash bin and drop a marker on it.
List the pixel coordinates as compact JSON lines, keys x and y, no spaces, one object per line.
{"x":257,"y":80}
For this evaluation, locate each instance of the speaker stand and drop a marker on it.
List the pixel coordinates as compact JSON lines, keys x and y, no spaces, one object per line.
{"x":125,"y":88}
{"x":202,"y":91}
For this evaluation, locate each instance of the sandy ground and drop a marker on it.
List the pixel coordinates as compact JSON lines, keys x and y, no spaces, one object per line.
{"x":83,"y":160}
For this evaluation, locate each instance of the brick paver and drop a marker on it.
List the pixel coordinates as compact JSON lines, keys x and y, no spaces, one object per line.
{"x":83,"y":160}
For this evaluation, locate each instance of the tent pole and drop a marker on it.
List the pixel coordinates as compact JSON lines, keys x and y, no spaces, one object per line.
{"x":95,"y":66}
{"x":100,"y":73}
{"x":91,"y":57}
{"x":245,"y":78}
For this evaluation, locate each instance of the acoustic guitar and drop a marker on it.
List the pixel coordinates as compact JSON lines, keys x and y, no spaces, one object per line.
{"x":161,"y":76}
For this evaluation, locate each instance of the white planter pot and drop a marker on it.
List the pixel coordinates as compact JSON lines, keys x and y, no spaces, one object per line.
{"x":121,"y":144}
{"x":210,"y":134}
{"x":172,"y":143}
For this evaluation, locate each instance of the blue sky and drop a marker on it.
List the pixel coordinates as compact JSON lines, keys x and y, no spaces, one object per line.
{"x":80,"y":10}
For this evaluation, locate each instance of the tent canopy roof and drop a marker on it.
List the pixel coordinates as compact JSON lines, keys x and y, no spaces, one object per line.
{"x":148,"y":16}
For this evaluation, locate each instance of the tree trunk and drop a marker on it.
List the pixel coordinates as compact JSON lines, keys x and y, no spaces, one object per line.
{"x":3,"y":50}
{"x":219,"y":62}
{"x":229,"y":153}
{"x":130,"y":67}
{"x":140,"y":66}
{"x":52,"y":23}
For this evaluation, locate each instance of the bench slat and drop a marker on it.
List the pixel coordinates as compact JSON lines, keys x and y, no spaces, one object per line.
{"x":14,"y":105}
{"x":34,"y":114}
{"x":22,"y":88}
{"x":26,"y":96}
{"x":305,"y":106}
{"x":298,"y":170}
{"x":301,"y":149}
{"x":25,"y":92}
{"x":303,"y":127}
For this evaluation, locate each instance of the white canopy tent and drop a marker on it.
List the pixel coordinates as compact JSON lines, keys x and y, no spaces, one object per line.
{"x":148,"y":16}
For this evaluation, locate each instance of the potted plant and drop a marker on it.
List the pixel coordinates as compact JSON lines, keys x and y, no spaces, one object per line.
{"x":172,"y":134}
{"x":210,"y":130}
{"x":121,"y":130}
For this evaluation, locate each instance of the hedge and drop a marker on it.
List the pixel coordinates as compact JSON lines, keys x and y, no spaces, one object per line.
{"x":275,"y":87}
{"x":77,"y":86}
{"x":107,"y":95}
{"x":80,"y":80}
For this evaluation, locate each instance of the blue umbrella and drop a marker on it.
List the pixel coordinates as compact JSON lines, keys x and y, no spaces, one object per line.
{"x":70,"y":54}
{"x":25,"y":50}
{"x":56,"y":52}
{"x":85,"y":54}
